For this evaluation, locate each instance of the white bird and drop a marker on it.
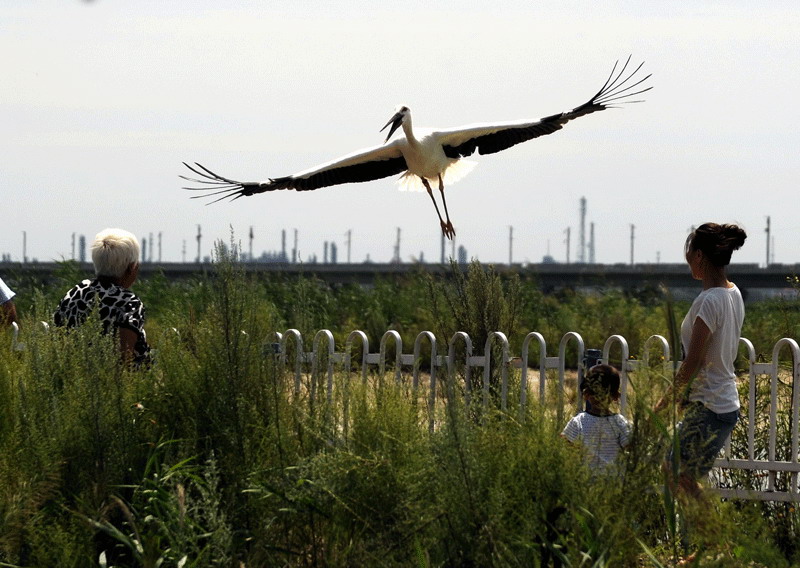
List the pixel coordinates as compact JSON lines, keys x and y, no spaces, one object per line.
{"x":430,"y":157}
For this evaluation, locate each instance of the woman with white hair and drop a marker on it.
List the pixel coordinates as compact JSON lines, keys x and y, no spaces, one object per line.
{"x":115,"y":254}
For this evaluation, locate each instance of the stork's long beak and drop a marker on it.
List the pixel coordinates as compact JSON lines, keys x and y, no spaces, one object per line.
{"x":395,"y":122}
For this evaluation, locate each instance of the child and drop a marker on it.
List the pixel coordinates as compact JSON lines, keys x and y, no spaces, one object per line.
{"x":601,"y":431}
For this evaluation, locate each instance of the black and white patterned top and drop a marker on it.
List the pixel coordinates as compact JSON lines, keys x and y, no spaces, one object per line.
{"x":116,"y":306}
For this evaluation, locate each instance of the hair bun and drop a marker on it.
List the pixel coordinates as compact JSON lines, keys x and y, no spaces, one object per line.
{"x":734,"y":235}
{"x":716,"y":241}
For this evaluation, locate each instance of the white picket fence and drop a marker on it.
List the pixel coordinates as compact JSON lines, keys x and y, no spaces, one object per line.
{"x":760,"y":457}
{"x":776,"y":478}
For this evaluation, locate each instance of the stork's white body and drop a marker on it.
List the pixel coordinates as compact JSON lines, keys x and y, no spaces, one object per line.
{"x":425,"y":156}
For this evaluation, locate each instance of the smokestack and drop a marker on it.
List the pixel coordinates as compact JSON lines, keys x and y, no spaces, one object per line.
{"x":199,"y":236}
{"x":582,"y":244}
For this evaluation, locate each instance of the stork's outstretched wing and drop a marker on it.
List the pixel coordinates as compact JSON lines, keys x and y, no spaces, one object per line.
{"x":491,"y":138}
{"x":364,"y":165}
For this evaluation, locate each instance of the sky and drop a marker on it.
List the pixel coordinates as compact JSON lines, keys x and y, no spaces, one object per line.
{"x":102,"y":101}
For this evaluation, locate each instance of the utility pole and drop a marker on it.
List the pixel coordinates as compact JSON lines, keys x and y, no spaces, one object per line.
{"x":199,"y":236}
{"x":397,"y":248}
{"x":159,"y":247}
{"x":250,"y":249}
{"x":294,"y":250}
{"x":284,"y":258}
{"x":73,"y":246}
{"x":510,"y":243}
{"x":150,"y":246}
{"x":349,"y":240}
{"x":582,"y":235}
{"x":325,"y":253}
{"x":772,"y":251}
{"x":591,"y":243}
{"x":567,"y":232}
{"x":767,"y":230}
{"x":633,"y":228}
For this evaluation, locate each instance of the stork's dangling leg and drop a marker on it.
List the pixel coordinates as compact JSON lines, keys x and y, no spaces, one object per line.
{"x":444,"y":225}
{"x":450,"y":231}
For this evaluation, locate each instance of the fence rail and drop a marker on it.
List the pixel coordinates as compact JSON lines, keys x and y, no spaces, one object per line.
{"x":778,"y":477}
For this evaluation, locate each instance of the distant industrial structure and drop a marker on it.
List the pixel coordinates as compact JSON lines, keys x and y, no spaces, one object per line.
{"x":757,"y":282}
{"x":585,"y":253}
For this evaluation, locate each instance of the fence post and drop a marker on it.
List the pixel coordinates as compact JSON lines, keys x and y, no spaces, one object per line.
{"x":415,"y":380}
{"x":323,"y":333}
{"x":751,"y":401}
{"x":451,"y":364}
{"x":398,"y":348}
{"x":623,"y":343}
{"x":562,"y":351}
{"x":664,"y":351}
{"x":15,"y":344}
{"x":348,"y":347}
{"x":542,"y":367}
{"x":487,"y":368}
{"x":795,"y":350}
{"x":298,"y":355}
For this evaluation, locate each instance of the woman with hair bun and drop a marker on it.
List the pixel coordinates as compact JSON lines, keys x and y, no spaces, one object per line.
{"x":705,"y":383}
{"x":115,"y":255}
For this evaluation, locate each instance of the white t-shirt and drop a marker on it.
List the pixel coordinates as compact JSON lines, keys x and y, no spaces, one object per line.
{"x":722,"y":310}
{"x":601,"y":436}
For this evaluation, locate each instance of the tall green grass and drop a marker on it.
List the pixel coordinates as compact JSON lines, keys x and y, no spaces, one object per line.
{"x":210,"y":457}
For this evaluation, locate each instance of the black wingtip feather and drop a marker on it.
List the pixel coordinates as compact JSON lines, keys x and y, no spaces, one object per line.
{"x":215,"y":184}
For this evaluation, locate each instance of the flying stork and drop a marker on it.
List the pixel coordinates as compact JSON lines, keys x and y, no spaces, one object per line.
{"x":432,"y":156}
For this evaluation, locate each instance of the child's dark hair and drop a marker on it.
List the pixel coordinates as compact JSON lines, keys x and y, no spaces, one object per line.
{"x":716,"y":241}
{"x":601,"y":380}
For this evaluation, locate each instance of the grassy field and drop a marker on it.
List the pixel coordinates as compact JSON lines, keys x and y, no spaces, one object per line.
{"x":211,"y":458}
